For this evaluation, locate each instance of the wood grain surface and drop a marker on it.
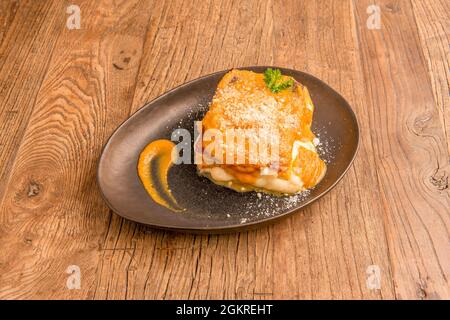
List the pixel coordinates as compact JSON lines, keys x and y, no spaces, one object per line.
{"x":63,"y":92}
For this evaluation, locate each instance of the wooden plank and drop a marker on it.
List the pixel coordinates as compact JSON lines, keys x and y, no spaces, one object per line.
{"x":52,"y":215}
{"x":28,"y":33}
{"x":433,"y":21}
{"x":410,"y":149}
{"x":340,"y":236}
{"x":186,"y":41}
{"x":8,"y":10}
{"x":322,"y":252}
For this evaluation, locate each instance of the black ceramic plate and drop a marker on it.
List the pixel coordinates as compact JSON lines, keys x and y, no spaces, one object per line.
{"x":211,"y":208}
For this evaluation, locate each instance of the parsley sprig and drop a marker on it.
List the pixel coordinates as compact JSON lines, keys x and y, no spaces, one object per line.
{"x":273,"y":79}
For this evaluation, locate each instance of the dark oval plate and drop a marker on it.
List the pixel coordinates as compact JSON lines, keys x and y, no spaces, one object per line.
{"x":211,"y":208}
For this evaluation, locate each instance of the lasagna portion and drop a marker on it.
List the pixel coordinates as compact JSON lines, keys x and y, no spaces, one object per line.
{"x":257,"y":135}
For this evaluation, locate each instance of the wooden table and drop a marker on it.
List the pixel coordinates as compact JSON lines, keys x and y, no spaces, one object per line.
{"x":64,"y":90}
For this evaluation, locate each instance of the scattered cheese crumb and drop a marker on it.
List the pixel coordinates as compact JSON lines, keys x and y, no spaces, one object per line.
{"x":316,"y":141}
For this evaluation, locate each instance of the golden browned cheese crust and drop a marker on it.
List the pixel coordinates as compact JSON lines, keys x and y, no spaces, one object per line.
{"x":242,"y":100}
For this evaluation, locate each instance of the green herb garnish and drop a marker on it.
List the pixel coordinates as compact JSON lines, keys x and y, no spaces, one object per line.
{"x":273,"y":79}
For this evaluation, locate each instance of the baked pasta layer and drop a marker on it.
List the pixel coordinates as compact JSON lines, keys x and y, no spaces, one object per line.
{"x":245,"y":102}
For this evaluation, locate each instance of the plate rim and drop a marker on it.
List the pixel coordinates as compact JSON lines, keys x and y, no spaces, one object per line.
{"x":240,"y":226}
